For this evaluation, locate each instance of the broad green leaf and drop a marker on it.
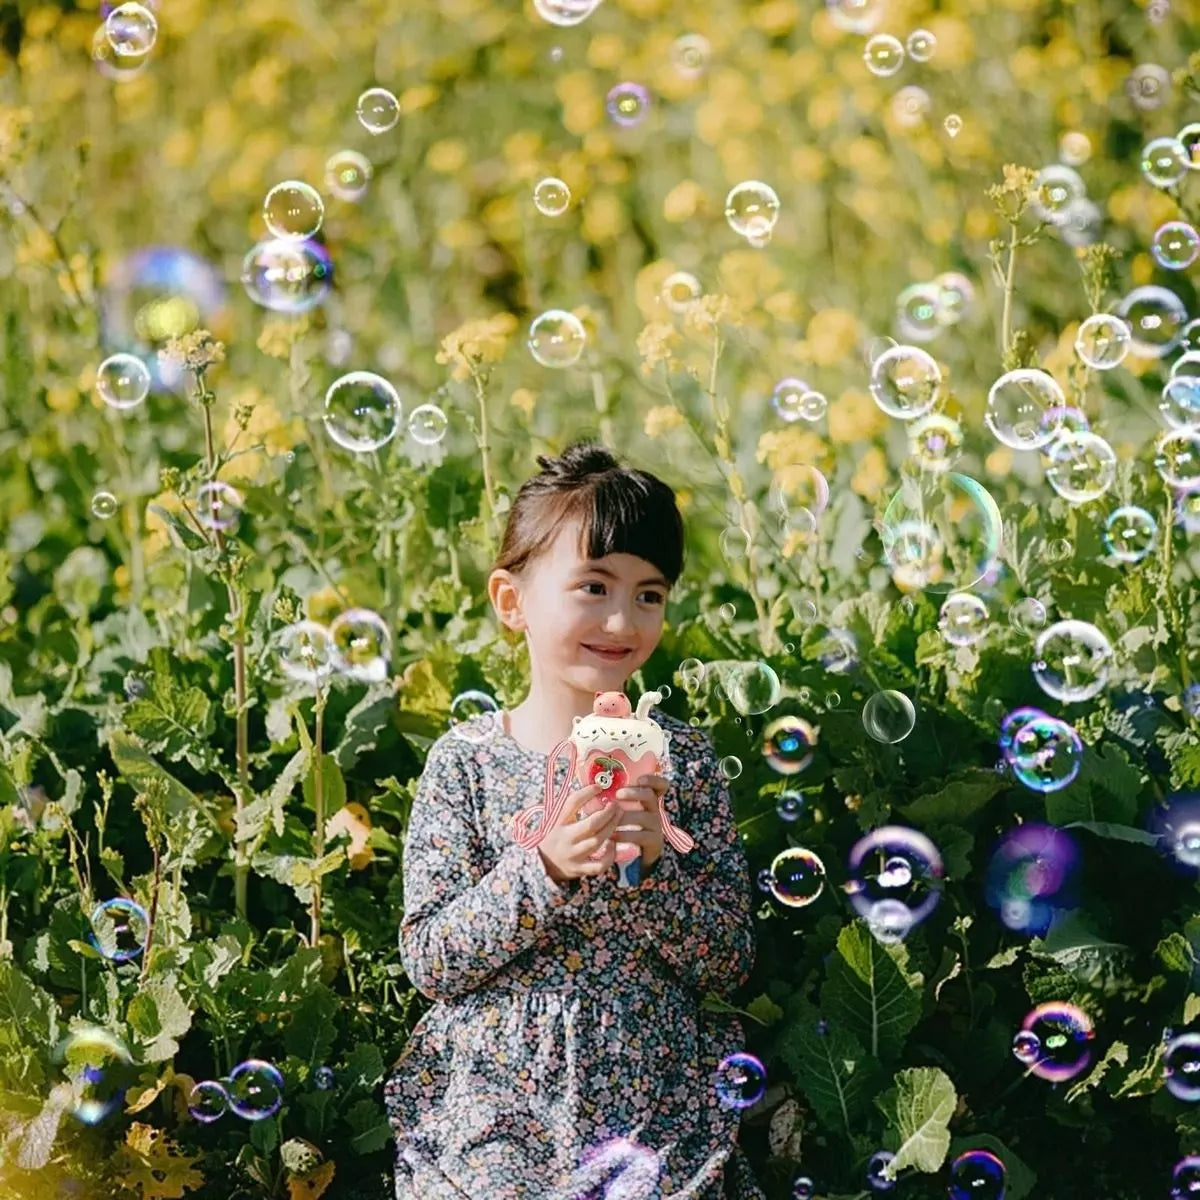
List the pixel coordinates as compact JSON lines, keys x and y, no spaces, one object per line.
{"x":190,"y":537}
{"x":1120,"y":833}
{"x":364,"y":1067}
{"x":170,"y":719}
{"x":333,"y":786}
{"x":869,"y":988}
{"x":137,"y":766}
{"x":363,"y":723}
{"x":957,"y":800}
{"x":268,"y":809}
{"x":159,"y":1015}
{"x":1106,"y":790}
{"x":28,"y":1015}
{"x":370,"y":1125}
{"x":311,"y":1029}
{"x":764,"y":1010}
{"x":1175,"y":953}
{"x":919,"y":1109}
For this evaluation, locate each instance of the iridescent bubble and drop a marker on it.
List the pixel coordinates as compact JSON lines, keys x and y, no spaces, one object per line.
{"x":1177,"y":458}
{"x":788,"y":744}
{"x":122,"y":381}
{"x":802,"y":1186}
{"x":911,"y":105}
{"x":1027,"y":615}
{"x":1017,"y":404}
{"x":293,"y":210}
{"x":1065,"y":1037}
{"x":837,"y":651}
{"x":1063,"y":420}
{"x":920,"y":45}
{"x":1185,"y":1179}
{"x":556,"y":339}
{"x":977,"y":1175}
{"x":1102,"y":341}
{"x":255,"y":1090}
{"x":883,"y":54}
{"x":378,"y":110}
{"x":306,"y":652}
{"x":1082,"y":224}
{"x":1080,"y":467}
{"x":956,"y":294}
{"x":208,"y":1101}
{"x":892,"y":868}
{"x":1130,"y":533}
{"x":877,"y":1179}
{"x":1148,"y":85}
{"x":348,"y":174}
{"x":935,"y":442}
{"x":218,"y":505}
{"x":287,"y":275}
{"x":1072,"y":660}
{"x":804,"y":487}
{"x":1012,"y":723}
{"x":905,"y":382}
{"x":680,"y":290}
{"x":797,"y":877}
{"x":963,"y":619}
{"x":1181,"y":1065}
{"x":953,"y":125}
{"x":789,"y":806}
{"x":427,"y":424}
{"x":362,"y":411}
{"x":324,"y":1078}
{"x":617,"y":1167}
{"x":1187,"y":365}
{"x":1187,"y":511}
{"x":854,"y":16}
{"x":1046,"y":754}
{"x":1157,"y":11}
{"x":1164,"y":162}
{"x":104,"y":505}
{"x":565,"y":12}
{"x":740,"y":1081}
{"x":1027,"y":880}
{"x":1056,"y":189}
{"x":1189,"y":139}
{"x":1186,"y":843}
{"x":889,"y":716}
{"x":118,"y":67}
{"x":1026,"y":1047}
{"x":551,"y":197}
{"x":1175,"y":245}
{"x":362,"y":645}
{"x":794,"y":400}
{"x":917,"y":310}
{"x":1074,"y":148}
{"x":1156,"y":319}
{"x":98,"y":1069}
{"x":690,"y":54}
{"x":752,"y":208}
{"x":628,"y":103}
{"x":751,"y":687}
{"x":1190,"y":700}
{"x":131,"y":30}
{"x":120,"y":928}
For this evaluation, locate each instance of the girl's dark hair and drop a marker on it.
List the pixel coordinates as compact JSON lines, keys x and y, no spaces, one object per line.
{"x":621,"y":511}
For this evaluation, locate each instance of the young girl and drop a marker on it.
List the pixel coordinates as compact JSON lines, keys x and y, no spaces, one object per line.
{"x":567,"y":1056}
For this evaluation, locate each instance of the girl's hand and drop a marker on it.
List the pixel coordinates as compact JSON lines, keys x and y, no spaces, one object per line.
{"x":568,"y":845}
{"x":646,"y":822}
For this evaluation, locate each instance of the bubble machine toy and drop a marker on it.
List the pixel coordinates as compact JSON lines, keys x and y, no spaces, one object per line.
{"x":612,"y":748}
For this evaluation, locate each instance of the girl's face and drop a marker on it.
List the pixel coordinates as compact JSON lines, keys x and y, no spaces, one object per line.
{"x":566,"y":603}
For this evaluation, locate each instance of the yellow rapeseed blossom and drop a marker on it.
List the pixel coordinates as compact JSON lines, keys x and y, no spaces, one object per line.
{"x":481,"y":341}
{"x":277,"y":333}
{"x":870,"y":475}
{"x":662,"y":419}
{"x":447,"y":156}
{"x":414,"y":99}
{"x":525,"y":400}
{"x":683,"y":201}
{"x":605,"y":218}
{"x":854,"y":417}
{"x":655,"y":345}
{"x":785,"y":449}
{"x":708,"y":312}
{"x":647,"y":288}
{"x":324,"y":604}
{"x":833,"y":335}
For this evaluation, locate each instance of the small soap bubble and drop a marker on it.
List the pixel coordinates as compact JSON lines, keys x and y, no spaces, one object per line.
{"x":123,"y":381}
{"x":1157,"y":11}
{"x":905,"y":382}
{"x":890,"y":907}
{"x":788,"y":744}
{"x":935,"y":442}
{"x":803,"y":1188}
{"x":910,"y":106}
{"x":1026,"y":1047}
{"x":920,"y":44}
{"x":565,"y":12}
{"x":378,"y":110}
{"x":98,"y":1068}
{"x":323,"y":1077}
{"x":1177,"y":458}
{"x":794,"y":399}
{"x":348,"y":174}
{"x":1102,"y":341}
{"x":917,"y":309}
{"x":1175,"y":245}
{"x":1130,"y":533}
{"x":556,"y":338}
{"x":889,"y":716}
{"x":977,"y":1175}
{"x":120,"y":928}
{"x":752,"y":208}
{"x":1082,"y":225}
{"x":963,"y":619}
{"x":690,"y":55}
{"x":1189,"y":139}
{"x":956,"y":294}
{"x":104,"y":505}
{"x":1072,"y":660}
{"x":293,"y":209}
{"x":131,"y":30}
{"x":877,"y":1179}
{"x":883,"y":54}
{"x":255,"y":1090}
{"x":1027,"y":615}
{"x":789,"y":806}
{"x":551,"y":197}
{"x":287,"y":275}
{"x":680,"y":290}
{"x":628,"y":103}
{"x":1074,"y":148}
{"x":218,"y":505}
{"x":1164,"y":162}
{"x":362,"y":411}
{"x":797,"y":877}
{"x":1055,"y":191}
{"x":1065,"y":1036}
{"x":1080,"y":467}
{"x":208,"y":1101}
{"x":427,"y":424}
{"x":731,"y":766}
{"x":1046,"y":754}
{"x":362,"y":645}
{"x":1017,"y":404}
{"x":741,"y":1080}
{"x":854,"y":16}
{"x":1185,"y":1179}
{"x":1148,"y":85}
{"x":953,"y":125}
{"x":306,"y":652}
{"x":1181,"y":1065}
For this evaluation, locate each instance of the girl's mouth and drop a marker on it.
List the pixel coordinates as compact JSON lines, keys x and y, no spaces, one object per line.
{"x":606,"y":655}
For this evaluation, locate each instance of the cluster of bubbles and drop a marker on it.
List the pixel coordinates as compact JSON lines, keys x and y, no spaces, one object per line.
{"x":1055,"y":1041}
{"x":923,"y":310}
{"x":1166,"y":160}
{"x":794,"y":399}
{"x":1043,"y":752}
{"x":356,"y":644}
{"x":752,"y":210}
{"x":252,"y":1091}
{"x":884,"y":53}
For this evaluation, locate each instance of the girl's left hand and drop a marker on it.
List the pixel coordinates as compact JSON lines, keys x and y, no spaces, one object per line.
{"x":648,"y":818}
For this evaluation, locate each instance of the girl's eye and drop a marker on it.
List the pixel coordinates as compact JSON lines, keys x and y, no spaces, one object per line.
{"x":658,"y":596}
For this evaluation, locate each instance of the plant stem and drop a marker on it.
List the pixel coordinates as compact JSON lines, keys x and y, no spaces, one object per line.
{"x":319,"y":834}
{"x":153,"y":916}
{"x":484,"y":451}
{"x":1006,"y":319}
{"x":1173,"y":613}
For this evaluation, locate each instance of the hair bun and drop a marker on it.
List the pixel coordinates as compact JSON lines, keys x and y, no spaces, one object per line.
{"x":578,"y":461}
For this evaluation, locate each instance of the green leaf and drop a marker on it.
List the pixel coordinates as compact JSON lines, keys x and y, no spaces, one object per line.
{"x":371,"y":1129}
{"x":187,"y":535}
{"x":363,"y":723}
{"x":1120,"y":833}
{"x":159,"y":1015}
{"x":364,"y":1067}
{"x":957,"y":800}
{"x":333,"y":785}
{"x":919,"y":1109}
{"x":137,"y":767}
{"x":1117,"y":1053}
{"x":170,"y":719}
{"x":764,"y":1010}
{"x":311,"y":1030}
{"x":870,"y":989}
{"x":269,"y":808}
{"x":1106,"y":790}
{"x":1176,"y":954}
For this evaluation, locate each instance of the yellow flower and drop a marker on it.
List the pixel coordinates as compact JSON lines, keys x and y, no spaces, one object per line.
{"x":647,"y":288}
{"x":447,"y":156}
{"x":195,"y":351}
{"x":525,"y":400}
{"x":662,"y":419}
{"x":60,"y":398}
{"x":275,"y":337}
{"x":854,"y":417}
{"x":684,"y":200}
{"x":604,"y":217}
{"x":784,"y":450}
{"x":833,"y":334}
{"x":323,"y":605}
{"x":655,"y":343}
{"x":708,"y":312}
{"x":480,"y":341}
{"x":870,"y":475}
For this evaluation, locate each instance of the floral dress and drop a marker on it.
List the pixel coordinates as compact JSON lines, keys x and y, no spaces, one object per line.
{"x":567,"y":1056}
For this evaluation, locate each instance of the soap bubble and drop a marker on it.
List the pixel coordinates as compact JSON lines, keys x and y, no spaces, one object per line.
{"x":362,"y":411}
{"x":565,"y":12}
{"x":287,"y":275}
{"x":1082,"y":224}
{"x":1072,"y":660}
{"x":131,"y":30}
{"x":1046,"y":754}
{"x":98,"y":1068}
{"x":556,"y":338}
{"x":680,"y":290}
{"x":752,"y":208}
{"x":1026,"y":1047}
{"x":1148,"y":85}
{"x":788,"y":744}
{"x":876,"y":1179}
{"x":1189,"y":138}
{"x":1185,"y":1179}
{"x":793,"y":400}
{"x":1027,"y":882}
{"x":935,"y":442}
{"x":797,"y":877}
{"x":1177,"y":458}
{"x":218,"y":505}
{"x":1156,"y":319}
{"x":628,"y":103}
{"x":348,"y":174}
{"x":910,"y":105}
{"x":324,"y":1078}
{"x":963,"y":619}
{"x":104,"y":505}
{"x":551,"y":197}
{"x":1027,"y":615}
{"x":1064,"y":1033}
{"x":1102,"y":341}
{"x":977,"y":1175}
{"x":1080,"y":466}
{"x":362,"y":645}
{"x":1164,"y":162}
{"x":894,"y":866}
{"x":804,"y":487}
{"x":120,"y":929}
{"x":920,"y":45}
{"x":1012,"y":723}
{"x":917,"y":310}
{"x":1055,"y":191}
{"x":740,"y":1081}
{"x":1181,"y":1065}
{"x":854,"y":16}
{"x":956,"y":294}
{"x":1016,"y":407}
{"x":306,"y":652}
{"x":293,"y":209}
{"x":208,"y":1101}
{"x":953,"y":125}
{"x":1130,"y":533}
{"x":1175,"y":245}
{"x":122,"y":381}
{"x":690,"y":54}
{"x":1180,"y":402}
{"x":751,"y":687}
{"x":905,"y":382}
{"x":255,"y":1090}
{"x":1074,"y":148}
{"x":427,"y":424}
{"x":889,"y":716}
{"x":378,"y":110}
{"x":883,"y":54}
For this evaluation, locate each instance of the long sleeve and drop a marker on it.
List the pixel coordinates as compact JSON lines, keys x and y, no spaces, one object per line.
{"x":462,"y":923}
{"x":695,"y":908}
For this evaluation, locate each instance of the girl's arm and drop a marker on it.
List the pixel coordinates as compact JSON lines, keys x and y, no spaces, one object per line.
{"x":695,"y":908}
{"x":461,"y":923}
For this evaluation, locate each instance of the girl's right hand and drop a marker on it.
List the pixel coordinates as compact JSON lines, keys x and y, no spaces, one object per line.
{"x":567,"y":847}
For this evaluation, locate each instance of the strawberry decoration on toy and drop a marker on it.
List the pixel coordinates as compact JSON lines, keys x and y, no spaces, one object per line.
{"x":610,"y":747}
